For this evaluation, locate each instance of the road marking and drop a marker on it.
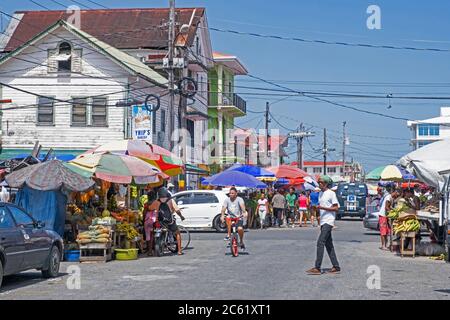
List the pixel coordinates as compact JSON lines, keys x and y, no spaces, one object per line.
{"x":152,"y":277}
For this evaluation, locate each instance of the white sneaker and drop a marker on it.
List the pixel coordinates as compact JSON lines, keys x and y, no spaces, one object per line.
{"x":227,"y":238}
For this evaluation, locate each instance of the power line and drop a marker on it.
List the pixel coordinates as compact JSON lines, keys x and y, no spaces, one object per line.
{"x":304,"y":40}
{"x":39,"y":5}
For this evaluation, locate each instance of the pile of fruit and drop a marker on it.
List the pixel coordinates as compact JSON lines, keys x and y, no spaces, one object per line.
{"x":128,"y":229}
{"x":394,"y":213}
{"x":406,"y":225}
{"x":95,"y":234}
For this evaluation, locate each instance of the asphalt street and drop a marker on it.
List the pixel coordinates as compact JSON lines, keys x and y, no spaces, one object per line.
{"x":273,"y":268}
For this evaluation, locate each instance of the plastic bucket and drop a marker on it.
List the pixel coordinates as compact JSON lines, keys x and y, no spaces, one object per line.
{"x":126,"y":254}
{"x":72,"y":255}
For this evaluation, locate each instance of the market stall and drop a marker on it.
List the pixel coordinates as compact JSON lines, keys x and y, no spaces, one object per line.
{"x":430,"y":164}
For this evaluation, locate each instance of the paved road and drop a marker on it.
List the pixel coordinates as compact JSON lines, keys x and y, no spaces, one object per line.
{"x":274,"y":268}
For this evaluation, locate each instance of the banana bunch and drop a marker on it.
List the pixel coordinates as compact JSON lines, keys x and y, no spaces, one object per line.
{"x":394,"y":213}
{"x":128,"y":229}
{"x":406,"y":226}
{"x":439,"y":257}
{"x":74,"y":209}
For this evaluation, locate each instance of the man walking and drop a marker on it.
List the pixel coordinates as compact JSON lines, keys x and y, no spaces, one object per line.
{"x":291,"y":199}
{"x":278,"y":204}
{"x":328,"y":206}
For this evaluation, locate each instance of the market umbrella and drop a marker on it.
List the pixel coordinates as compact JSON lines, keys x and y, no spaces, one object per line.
{"x":389,"y":172}
{"x":117,"y":168}
{"x":257,"y":172}
{"x":168,"y":162}
{"x":235,"y":178}
{"x":288,"y":172}
{"x":49,"y":175}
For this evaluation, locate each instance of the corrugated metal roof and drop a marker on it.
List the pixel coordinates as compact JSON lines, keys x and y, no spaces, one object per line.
{"x":121,"y":28}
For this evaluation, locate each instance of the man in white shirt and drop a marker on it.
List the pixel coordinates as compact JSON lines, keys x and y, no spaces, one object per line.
{"x":328,"y":206}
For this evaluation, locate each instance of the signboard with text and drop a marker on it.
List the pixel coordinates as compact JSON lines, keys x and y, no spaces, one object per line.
{"x":141,"y":123}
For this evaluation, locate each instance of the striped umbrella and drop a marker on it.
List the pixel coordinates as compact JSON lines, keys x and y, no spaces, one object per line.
{"x":168,"y":162}
{"x":391,"y":173}
{"x":117,"y":168}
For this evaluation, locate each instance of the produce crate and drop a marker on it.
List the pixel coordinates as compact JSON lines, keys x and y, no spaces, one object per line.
{"x":403,"y":236}
{"x":96,"y":252}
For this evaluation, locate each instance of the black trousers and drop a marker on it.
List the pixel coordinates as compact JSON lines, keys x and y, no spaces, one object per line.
{"x":326,"y":241}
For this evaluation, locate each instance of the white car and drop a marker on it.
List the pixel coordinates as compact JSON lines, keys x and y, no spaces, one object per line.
{"x":201,"y":208}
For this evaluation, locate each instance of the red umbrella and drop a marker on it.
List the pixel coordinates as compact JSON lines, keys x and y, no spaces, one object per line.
{"x":288,"y":172}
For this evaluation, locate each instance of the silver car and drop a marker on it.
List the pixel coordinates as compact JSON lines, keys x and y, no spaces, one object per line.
{"x":370,"y":220}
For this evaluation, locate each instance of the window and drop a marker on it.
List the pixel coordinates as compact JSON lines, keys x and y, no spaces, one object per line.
{"x":64,"y":57}
{"x":45,"y":111}
{"x":428,"y":129}
{"x":99,"y":113}
{"x":331,"y":170}
{"x":317,"y":170}
{"x":202,"y":198}
{"x":184,"y":199}
{"x":190,"y":129}
{"x":163,"y":120}
{"x":79,"y":111}
{"x":5,"y":219}
{"x":20,"y":216}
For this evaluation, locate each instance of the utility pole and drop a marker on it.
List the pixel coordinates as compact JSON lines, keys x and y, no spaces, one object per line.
{"x":171,"y":46}
{"x":325,"y":150}
{"x":343,"y":147}
{"x":299,"y":136}
{"x":267,"y":128}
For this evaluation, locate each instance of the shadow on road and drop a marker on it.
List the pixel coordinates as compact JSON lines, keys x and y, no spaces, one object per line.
{"x":22,"y":280}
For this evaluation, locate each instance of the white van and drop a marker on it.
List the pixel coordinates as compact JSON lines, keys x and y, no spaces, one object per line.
{"x":201,"y":208}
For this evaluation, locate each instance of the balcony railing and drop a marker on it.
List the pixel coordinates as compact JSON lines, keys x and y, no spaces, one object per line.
{"x":235,"y":100}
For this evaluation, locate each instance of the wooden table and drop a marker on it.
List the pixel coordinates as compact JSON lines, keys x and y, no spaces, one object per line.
{"x":403,"y":237}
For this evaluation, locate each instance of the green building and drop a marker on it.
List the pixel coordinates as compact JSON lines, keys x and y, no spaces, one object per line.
{"x":224,"y":106}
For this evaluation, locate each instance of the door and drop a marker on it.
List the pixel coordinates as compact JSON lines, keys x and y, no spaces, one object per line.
{"x":184,"y":201}
{"x":11,"y":241}
{"x":37,"y":241}
{"x":206,"y":206}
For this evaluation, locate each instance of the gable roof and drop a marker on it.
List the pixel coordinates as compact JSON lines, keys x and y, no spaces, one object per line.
{"x":120,"y":28}
{"x":133,"y":65}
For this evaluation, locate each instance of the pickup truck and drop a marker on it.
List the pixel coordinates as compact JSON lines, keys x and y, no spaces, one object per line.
{"x":25,"y":244}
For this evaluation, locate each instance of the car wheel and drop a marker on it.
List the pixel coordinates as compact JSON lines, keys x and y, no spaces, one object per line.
{"x":53,"y":264}
{"x":1,"y":274}
{"x":218,"y":225}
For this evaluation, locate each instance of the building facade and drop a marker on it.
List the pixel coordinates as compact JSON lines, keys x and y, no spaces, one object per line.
{"x":98,"y":59}
{"x":224,"y":105}
{"x":430,"y":130}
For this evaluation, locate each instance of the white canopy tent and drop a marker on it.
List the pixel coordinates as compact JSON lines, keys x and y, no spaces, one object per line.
{"x":431,"y":164}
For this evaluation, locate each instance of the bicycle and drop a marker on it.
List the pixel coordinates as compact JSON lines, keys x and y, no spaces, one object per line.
{"x":234,"y":243}
{"x":167,"y":240}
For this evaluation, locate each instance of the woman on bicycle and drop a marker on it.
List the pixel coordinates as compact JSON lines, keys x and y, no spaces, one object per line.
{"x":166,"y":207}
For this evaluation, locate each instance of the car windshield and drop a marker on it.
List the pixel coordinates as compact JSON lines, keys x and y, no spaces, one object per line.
{"x":359,"y":190}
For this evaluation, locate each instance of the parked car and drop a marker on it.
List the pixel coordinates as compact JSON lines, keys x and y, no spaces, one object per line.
{"x":201,"y":208}
{"x":25,"y":244}
{"x":352,"y":199}
{"x":370,"y":221}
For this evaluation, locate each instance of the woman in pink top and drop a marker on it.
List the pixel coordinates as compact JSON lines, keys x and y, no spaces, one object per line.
{"x":303,"y":207}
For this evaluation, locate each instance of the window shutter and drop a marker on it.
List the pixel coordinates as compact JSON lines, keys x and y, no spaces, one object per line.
{"x":52,"y":63}
{"x":76,"y":60}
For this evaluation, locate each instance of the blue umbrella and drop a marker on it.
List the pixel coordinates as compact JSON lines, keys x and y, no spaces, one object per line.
{"x":235,"y":178}
{"x":406,"y":175}
{"x":251,"y":170}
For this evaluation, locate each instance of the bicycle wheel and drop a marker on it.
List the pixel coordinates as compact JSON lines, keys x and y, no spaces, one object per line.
{"x":185,"y":237}
{"x":234,"y":245}
{"x":171,"y":242}
{"x":158,"y":247}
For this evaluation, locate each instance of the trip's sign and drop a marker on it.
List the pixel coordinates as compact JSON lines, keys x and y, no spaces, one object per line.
{"x":141,"y":123}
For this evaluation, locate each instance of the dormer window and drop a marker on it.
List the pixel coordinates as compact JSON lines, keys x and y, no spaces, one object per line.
{"x":64,"y":57}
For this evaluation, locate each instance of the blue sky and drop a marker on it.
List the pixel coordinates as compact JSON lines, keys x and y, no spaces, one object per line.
{"x":295,"y":64}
